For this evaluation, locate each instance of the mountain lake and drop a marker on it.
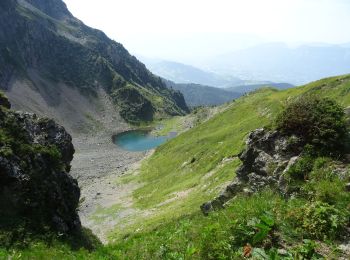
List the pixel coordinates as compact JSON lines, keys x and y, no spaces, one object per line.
{"x":139,"y":140}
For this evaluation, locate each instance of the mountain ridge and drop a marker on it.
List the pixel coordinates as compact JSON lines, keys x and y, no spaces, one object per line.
{"x":200,"y":95}
{"x":184,"y":74}
{"x":61,"y":50}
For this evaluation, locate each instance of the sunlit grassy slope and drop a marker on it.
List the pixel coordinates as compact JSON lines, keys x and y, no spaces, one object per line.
{"x":191,"y":169}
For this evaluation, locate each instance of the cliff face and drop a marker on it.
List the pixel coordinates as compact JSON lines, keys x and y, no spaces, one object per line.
{"x":35,"y":186}
{"x":44,"y":46}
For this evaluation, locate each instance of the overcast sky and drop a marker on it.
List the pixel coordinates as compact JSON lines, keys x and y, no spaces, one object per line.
{"x":181,"y":28}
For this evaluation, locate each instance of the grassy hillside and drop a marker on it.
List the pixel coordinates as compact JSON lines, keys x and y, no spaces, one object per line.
{"x":192,"y":168}
{"x":183,"y":162}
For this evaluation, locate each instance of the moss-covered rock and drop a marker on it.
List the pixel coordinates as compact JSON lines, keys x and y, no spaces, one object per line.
{"x":36,"y":190}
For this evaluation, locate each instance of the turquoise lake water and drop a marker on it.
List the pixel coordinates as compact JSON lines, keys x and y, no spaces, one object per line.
{"x":139,"y":140}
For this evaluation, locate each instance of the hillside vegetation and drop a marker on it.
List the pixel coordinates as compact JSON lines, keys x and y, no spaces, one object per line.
{"x":195,"y":166}
{"x":43,"y":47}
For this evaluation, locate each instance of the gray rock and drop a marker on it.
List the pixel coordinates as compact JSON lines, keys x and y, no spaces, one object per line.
{"x":206,"y":208}
{"x":282,"y":252}
{"x":267,"y":157}
{"x":345,"y":248}
{"x":347,"y":111}
{"x":218,"y":203}
{"x":34,"y":178}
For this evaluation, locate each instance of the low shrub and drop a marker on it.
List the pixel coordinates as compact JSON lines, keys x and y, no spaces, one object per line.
{"x":301,"y":169}
{"x":320,"y":122}
{"x":321,"y":220}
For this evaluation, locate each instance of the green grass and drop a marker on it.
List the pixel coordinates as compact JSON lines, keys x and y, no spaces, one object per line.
{"x":101,"y":214}
{"x":170,"y":169}
{"x":195,"y":166}
{"x":221,"y":235}
{"x":201,"y":161}
{"x":180,"y":124}
{"x":181,"y":239}
{"x":174,"y":124}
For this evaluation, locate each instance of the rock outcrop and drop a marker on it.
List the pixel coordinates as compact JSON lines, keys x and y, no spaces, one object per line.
{"x":35,"y":185}
{"x":268,"y":155}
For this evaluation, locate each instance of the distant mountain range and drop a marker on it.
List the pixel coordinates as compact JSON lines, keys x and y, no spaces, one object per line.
{"x":199,"y":95}
{"x":201,"y":87}
{"x":183,"y":73}
{"x":269,"y":62}
{"x":345,"y":45}
{"x":279,"y":63}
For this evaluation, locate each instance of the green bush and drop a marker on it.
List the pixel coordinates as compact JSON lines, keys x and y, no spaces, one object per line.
{"x":301,"y":169}
{"x":321,"y":221}
{"x":307,"y":250}
{"x":331,"y":192}
{"x":316,"y":178}
{"x":321,"y":122}
{"x":324,"y":184}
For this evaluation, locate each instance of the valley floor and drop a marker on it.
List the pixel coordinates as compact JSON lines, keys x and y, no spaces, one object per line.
{"x":108,"y":176}
{"x":97,"y":164}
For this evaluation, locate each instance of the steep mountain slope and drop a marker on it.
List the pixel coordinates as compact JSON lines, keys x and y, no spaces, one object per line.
{"x":197,"y":164}
{"x":53,"y":59}
{"x":199,"y":95}
{"x":279,"y":63}
{"x":225,"y":134}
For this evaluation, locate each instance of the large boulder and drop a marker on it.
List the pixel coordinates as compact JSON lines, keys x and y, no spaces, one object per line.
{"x":268,"y":155}
{"x":35,"y":185}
